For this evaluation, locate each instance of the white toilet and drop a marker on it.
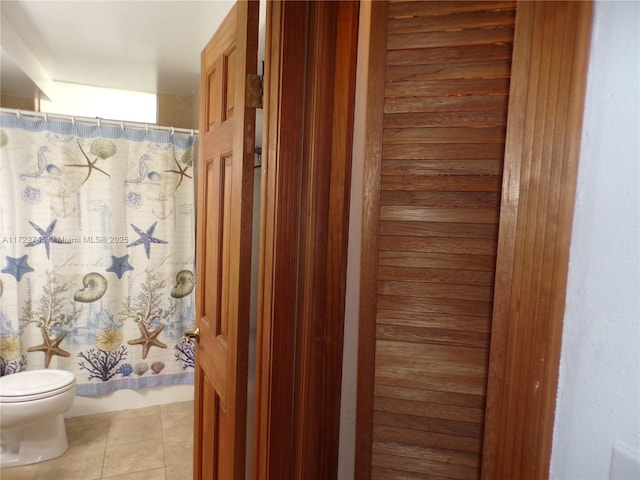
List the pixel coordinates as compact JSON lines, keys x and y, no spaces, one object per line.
{"x":31,"y":423}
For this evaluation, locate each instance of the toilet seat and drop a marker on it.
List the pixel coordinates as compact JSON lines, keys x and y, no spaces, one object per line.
{"x":34,"y":384}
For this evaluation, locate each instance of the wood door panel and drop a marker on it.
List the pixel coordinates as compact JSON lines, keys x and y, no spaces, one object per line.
{"x":440,"y":358}
{"x":433,"y":199}
{"x":438,"y":336}
{"x":442,"y":151}
{"x":225,"y":207}
{"x":449,"y":118}
{"x":459,"y":71}
{"x":436,"y":275}
{"x":458,"y":330}
{"x":438,"y":260}
{"x":436,"y":411}
{"x":425,"y":440}
{"x":212,"y":86}
{"x":462,"y":183}
{"x":432,"y":306}
{"x":229,"y":82}
{"x":442,"y":38}
{"x":435,"y":290}
{"x":455,"y":325}
{"x":462,"y":246}
{"x":215,"y":362}
{"x":452,"y":106}
{"x":435,"y":83}
{"x":406,"y":375}
{"x":431,"y":397}
{"x":223,"y":247}
{"x":216,"y":461}
{"x":413,"y":213}
{"x":421,"y":469}
{"x":428,"y":424}
{"x":461,"y":323}
{"x":444,"y":135}
{"x":209,"y":425}
{"x":442,"y":167}
{"x":438,"y":8}
{"x":446,"y":55}
{"x":425,"y":456}
{"x":429,"y":297}
{"x":427,"y":20}
{"x":209,"y":195}
{"x":448,"y":88}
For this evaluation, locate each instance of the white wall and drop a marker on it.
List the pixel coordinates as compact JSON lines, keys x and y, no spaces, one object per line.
{"x":599,"y":385}
{"x":126,"y":399}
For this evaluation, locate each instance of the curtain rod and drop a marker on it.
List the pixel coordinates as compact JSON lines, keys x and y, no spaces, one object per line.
{"x":97,"y":120}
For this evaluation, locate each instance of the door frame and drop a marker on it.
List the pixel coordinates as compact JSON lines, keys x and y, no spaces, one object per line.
{"x":534,"y":238}
{"x":308,"y":124}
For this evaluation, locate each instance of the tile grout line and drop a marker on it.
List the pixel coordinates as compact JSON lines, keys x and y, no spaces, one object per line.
{"x":104,"y":451}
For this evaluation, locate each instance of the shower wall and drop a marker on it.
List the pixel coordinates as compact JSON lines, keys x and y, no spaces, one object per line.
{"x":177,"y":111}
{"x":8,"y":100}
{"x":126,"y":399}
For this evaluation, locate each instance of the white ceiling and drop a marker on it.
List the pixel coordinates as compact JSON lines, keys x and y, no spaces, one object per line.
{"x":148,"y":46}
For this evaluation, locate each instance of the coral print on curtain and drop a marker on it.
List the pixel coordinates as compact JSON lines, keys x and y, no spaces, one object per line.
{"x":96,"y":252}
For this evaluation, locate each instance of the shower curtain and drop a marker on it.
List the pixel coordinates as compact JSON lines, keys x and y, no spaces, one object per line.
{"x":97,"y":251}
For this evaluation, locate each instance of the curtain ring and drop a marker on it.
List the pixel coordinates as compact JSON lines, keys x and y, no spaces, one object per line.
{"x":46,"y":117}
{"x":73,"y":121}
{"x":99,"y":122}
{"x":172,"y":130}
{"x":122,"y":125}
{"x":146,"y":127}
{"x":18,"y":114}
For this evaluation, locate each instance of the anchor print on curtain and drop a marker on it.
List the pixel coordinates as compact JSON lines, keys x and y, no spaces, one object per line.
{"x":96,"y":252}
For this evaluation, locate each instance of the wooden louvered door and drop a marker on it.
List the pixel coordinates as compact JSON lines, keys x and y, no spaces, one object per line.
{"x":435,"y":148}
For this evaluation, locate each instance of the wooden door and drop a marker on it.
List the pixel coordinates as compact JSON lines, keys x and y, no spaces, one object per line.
{"x":440,"y":88}
{"x":430,"y":402}
{"x":223,"y":246}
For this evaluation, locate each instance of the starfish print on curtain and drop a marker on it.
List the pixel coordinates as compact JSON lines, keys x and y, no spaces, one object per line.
{"x":148,"y":339}
{"x":90,"y":165}
{"x":46,"y":237}
{"x":146,"y":238}
{"x":17,"y":267}
{"x":50,"y":347}
{"x":119,"y":265}
{"x":180,"y":171}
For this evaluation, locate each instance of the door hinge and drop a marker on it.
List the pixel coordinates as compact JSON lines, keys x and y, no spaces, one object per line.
{"x":254,"y":90}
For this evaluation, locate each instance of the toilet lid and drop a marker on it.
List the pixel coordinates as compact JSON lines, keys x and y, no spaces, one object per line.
{"x":34,"y":382}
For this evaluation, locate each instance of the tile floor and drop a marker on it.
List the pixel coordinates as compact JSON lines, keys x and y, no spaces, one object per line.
{"x":153,"y":443}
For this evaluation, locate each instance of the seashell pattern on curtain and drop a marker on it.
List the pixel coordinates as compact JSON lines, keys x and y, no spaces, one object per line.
{"x":97,"y":249}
